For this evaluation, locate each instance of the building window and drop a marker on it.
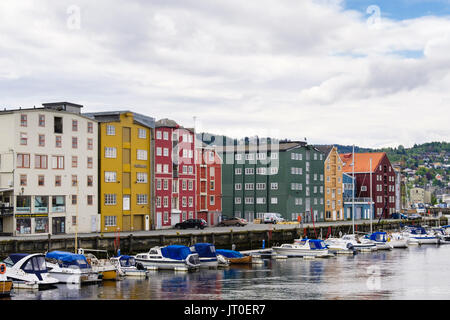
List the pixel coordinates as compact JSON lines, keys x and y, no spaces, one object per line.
{"x":58,"y":125}
{"x":142,"y":133}
{"x":211,"y":185}
{"x":90,"y":200}
{"x":165,"y":135}
{"x":238,"y":171}
{"x":23,"y":160}
{"x":211,"y":200}
{"x":41,"y":180}
{"x":74,"y":180}
{"x":142,"y":154}
{"x":90,"y":162}
{"x":23,"y":120}
{"x":158,"y":135}
{"x":141,"y":199}
{"x":166,"y":202}
{"x":237,"y":186}
{"x":41,"y":140}
{"x":74,"y":199}
{"x":237,"y":200}
{"x":74,"y":142}
{"x":110,"y":199}
{"x":110,"y":176}
{"x":58,"y":162}
{"x":191,"y":201}
{"x":158,"y":202}
{"x":90,"y":144}
{"x":110,"y":130}
{"x":40,"y":162}
{"x":249,"y":171}
{"x":58,"y":181}
{"x":23,"y":179}
{"x":166,"y":184}
{"x":90,"y":181}
{"x":110,"y":221}
{"x":74,"y":125}
{"x":74,"y":161}
{"x":110,"y":152}
{"x":249,"y":200}
{"x":260,"y":200}
{"x":23,"y":139}
{"x":58,"y":141}
{"x":141,"y":177}
{"x":90,"y":127}
{"x":274,"y":186}
{"x":274,"y":200}
{"x":41,"y":120}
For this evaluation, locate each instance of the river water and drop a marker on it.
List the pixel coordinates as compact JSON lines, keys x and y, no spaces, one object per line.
{"x":419,"y":272}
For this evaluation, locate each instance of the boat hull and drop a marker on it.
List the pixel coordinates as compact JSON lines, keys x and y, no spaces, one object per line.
{"x":166,"y":264}
{"x":243,"y":260}
{"x":109,"y":275}
{"x":290,"y":252}
{"x":75,"y":278}
{"x":399,"y":243}
{"x":5,"y":287}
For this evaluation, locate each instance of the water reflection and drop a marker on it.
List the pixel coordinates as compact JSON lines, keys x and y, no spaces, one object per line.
{"x":414,"y":273}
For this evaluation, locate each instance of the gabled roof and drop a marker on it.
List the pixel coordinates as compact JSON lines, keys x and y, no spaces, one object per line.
{"x":362,"y":161}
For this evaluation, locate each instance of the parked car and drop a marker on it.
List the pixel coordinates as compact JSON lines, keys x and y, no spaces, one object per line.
{"x":271,"y":217}
{"x":191,"y":223}
{"x":235,"y":221}
{"x":397,"y":215}
{"x":415,"y":216}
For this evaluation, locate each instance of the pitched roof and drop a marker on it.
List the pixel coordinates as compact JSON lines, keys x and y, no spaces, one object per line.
{"x":362,"y":161}
{"x":324,"y":149}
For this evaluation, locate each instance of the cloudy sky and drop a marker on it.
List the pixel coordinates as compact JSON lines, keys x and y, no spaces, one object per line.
{"x":371,"y":73}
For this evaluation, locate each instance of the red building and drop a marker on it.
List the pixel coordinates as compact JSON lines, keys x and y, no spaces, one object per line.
{"x":382,"y":175}
{"x":175,"y":174}
{"x":209,"y":184}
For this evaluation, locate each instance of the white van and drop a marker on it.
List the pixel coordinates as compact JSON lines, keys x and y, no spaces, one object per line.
{"x":271,"y":217}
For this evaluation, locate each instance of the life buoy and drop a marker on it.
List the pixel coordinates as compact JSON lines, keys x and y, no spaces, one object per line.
{"x":2,"y":268}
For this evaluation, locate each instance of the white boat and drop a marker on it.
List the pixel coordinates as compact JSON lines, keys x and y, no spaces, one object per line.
{"x":380,"y":239}
{"x":398,"y":240}
{"x":173,"y":257}
{"x":208,"y":256}
{"x":443,"y":233}
{"x":28,"y":271}
{"x":360,"y":243}
{"x":340,"y":246}
{"x":303,"y":248}
{"x":126,"y":266}
{"x":418,"y":235}
{"x":104,"y":267}
{"x":71,"y":268}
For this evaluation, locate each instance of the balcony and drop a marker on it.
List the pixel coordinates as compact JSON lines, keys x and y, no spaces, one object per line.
{"x":6,"y":211}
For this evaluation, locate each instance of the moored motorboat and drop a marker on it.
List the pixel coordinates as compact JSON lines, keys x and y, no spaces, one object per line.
{"x":104,"y":267}
{"x":206,"y":254}
{"x":28,"y":271}
{"x":303,"y":248}
{"x":5,"y":284}
{"x":443,"y":233}
{"x":418,"y":235}
{"x":360,"y":244}
{"x":172,"y":257}
{"x":397,"y":240}
{"x":72,"y":268}
{"x":234,"y":257}
{"x":126,"y":266}
{"x":340,"y":246}
{"x":380,"y":239}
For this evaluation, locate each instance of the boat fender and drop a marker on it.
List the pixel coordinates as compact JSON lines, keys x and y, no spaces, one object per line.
{"x":2,"y":268}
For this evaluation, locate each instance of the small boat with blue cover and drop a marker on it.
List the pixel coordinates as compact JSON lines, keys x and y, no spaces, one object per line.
{"x":381,"y":240}
{"x":173,"y":257}
{"x":303,"y":248}
{"x":418,"y":235}
{"x":126,"y":266}
{"x":208,"y":255}
{"x":234,"y":257}
{"x":69,"y":267}
{"x":28,"y":271}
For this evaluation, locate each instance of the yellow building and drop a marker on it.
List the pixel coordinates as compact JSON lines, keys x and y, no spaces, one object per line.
{"x":333,"y":184}
{"x":125,"y":170}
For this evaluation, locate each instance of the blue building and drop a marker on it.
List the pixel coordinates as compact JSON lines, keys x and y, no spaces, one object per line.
{"x":362,"y":205}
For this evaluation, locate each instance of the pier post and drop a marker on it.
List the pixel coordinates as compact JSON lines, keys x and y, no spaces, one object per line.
{"x":213,"y":238}
{"x":49,"y":243}
{"x":161,"y":240}
{"x":130,"y":243}
{"x":231,"y":236}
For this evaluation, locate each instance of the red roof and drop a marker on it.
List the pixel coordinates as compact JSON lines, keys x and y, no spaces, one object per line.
{"x":362,"y":161}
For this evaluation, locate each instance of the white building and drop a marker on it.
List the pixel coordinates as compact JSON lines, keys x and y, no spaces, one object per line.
{"x":48,"y":170}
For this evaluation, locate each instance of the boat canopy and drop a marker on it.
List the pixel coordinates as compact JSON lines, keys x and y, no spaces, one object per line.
{"x":205,"y":250}
{"x":378,"y":236}
{"x":16,"y":257}
{"x":418,"y":230}
{"x":176,"y":252}
{"x":127,"y":261}
{"x":67,"y":259}
{"x":316,"y":244}
{"x":229,"y":253}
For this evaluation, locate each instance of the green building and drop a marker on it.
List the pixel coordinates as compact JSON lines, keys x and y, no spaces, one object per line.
{"x":286,"y":178}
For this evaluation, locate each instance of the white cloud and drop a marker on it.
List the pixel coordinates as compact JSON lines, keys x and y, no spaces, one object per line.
{"x":307,"y":68}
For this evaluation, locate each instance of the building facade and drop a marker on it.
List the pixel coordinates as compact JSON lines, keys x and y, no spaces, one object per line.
{"x":48,"y":180}
{"x":209,"y":183}
{"x":375,"y":179}
{"x":363,"y":207}
{"x":286,"y":178}
{"x":125,"y":170}
{"x":334,"y":204}
{"x":175,"y":174}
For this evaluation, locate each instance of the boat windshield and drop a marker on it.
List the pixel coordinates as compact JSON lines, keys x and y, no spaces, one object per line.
{"x":302,"y":242}
{"x":314,"y":245}
{"x":35,"y":264}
